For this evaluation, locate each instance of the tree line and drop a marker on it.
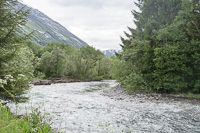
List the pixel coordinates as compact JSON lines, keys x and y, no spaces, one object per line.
{"x":62,"y":60}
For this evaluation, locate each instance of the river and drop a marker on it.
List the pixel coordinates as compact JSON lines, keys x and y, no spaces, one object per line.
{"x":80,"y":108}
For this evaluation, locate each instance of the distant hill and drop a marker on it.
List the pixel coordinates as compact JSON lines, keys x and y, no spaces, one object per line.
{"x":111,"y":52}
{"x":48,"y":30}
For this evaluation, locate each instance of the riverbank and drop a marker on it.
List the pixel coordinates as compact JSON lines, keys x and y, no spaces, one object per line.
{"x":34,"y":122}
{"x":50,"y":81}
{"x":119,"y":93}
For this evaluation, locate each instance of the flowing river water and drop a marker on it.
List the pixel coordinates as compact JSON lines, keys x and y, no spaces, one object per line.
{"x":81,"y":108}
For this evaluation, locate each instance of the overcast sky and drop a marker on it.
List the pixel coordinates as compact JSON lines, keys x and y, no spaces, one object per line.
{"x":100,"y":23}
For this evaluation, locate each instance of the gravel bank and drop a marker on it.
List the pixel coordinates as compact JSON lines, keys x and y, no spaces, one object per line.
{"x":119,"y":93}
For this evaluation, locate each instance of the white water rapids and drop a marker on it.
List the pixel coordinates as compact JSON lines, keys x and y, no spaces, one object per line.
{"x":80,"y":108}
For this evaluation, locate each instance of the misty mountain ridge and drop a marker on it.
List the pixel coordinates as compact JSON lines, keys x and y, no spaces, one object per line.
{"x":111,"y":52}
{"x":47,"y":30}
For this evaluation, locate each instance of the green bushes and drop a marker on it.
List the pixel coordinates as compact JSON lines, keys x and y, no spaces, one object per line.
{"x":62,"y":60}
{"x":34,"y":123}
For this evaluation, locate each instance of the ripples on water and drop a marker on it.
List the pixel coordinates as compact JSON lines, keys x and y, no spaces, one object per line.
{"x":79,"y":108}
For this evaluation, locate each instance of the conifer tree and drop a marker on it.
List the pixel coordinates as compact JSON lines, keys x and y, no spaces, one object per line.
{"x":16,"y":61}
{"x":10,"y":21}
{"x":194,"y":25}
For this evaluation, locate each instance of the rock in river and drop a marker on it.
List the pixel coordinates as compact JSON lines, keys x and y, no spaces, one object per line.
{"x":42,"y":82}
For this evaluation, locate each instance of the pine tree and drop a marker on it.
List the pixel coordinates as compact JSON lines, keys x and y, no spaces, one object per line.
{"x":10,"y":21}
{"x":194,"y":25}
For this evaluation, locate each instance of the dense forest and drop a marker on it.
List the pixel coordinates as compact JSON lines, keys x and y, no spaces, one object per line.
{"x":163,"y":52}
{"x":61,"y":60}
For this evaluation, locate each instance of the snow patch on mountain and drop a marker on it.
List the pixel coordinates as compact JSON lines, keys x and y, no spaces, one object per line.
{"x":111,"y":52}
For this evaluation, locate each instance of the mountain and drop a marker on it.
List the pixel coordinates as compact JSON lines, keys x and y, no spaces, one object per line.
{"x":47,"y":30}
{"x":111,"y":52}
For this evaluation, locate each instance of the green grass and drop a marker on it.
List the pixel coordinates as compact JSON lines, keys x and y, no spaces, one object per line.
{"x":195,"y":96}
{"x":33,"y":123}
{"x":189,"y":95}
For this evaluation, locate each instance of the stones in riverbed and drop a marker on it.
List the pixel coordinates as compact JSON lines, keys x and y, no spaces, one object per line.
{"x":41,"y":82}
{"x":50,"y":81}
{"x":157,"y":98}
{"x":120,"y":98}
{"x":58,"y":80}
{"x":141,"y":101}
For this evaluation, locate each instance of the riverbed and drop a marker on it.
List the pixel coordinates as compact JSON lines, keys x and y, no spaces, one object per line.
{"x":84,"y":107}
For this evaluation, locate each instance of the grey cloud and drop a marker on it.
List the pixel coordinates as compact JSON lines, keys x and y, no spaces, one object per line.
{"x":94,"y":3}
{"x":98,"y":22}
{"x":85,"y":3}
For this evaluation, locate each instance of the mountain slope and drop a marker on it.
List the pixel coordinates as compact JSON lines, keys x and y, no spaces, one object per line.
{"x":47,"y":30}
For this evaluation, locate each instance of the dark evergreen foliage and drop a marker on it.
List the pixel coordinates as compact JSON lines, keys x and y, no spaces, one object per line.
{"x":16,"y":64}
{"x":163,"y":52}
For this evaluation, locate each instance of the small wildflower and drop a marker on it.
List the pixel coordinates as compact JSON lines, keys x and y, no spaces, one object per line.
{"x":3,"y":81}
{"x":12,"y":80}
{"x":8,"y":77}
{"x":20,"y":75}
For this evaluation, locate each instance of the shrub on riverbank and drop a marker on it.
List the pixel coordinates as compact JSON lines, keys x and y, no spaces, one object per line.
{"x":32,"y":123}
